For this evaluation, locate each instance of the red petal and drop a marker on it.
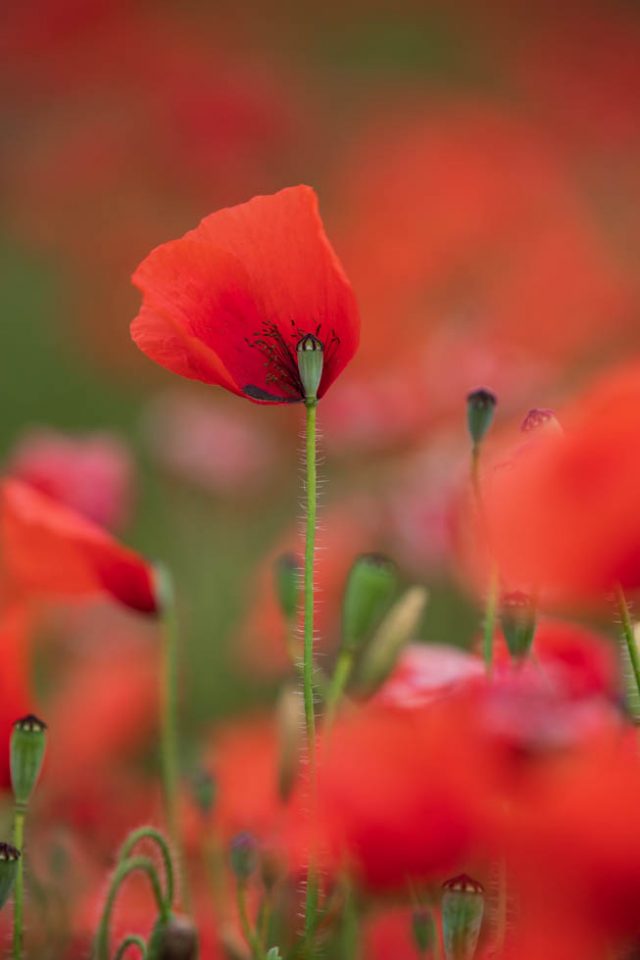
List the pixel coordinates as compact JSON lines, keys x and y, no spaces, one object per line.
{"x":208,"y":295}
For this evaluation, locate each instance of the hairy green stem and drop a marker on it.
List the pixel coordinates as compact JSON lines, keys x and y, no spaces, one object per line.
{"x":311,"y":904}
{"x":250,"y":935}
{"x":133,"y":940}
{"x":150,"y":833}
{"x":122,"y":871}
{"x":19,"y":816}
{"x":489,"y":621}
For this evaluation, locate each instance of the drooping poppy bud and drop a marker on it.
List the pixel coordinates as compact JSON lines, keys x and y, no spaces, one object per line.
{"x":422,"y":928}
{"x":28,"y":744}
{"x":288,"y":576}
{"x":462,"y":912}
{"x":370,"y":588}
{"x":481,"y":405}
{"x":540,"y":419}
{"x":243,"y":856}
{"x":173,"y":939}
{"x":518,"y":619}
{"x":310,"y":354}
{"x":396,"y":630}
{"x":9,"y":858}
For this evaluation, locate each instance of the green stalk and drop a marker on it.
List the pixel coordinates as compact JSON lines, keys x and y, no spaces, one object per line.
{"x":250,"y":935}
{"x":133,"y":940}
{"x":169,"y":716}
{"x":339,"y":680}
{"x":19,"y":816}
{"x":628,"y":635}
{"x":311,"y":904}
{"x":153,"y":835}
{"x":489,"y":622}
{"x":122,"y":871}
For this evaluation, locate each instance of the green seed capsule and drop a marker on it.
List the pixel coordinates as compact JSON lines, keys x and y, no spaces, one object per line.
{"x":462,"y":911}
{"x":517,"y":616}
{"x":9,"y":858}
{"x":28,"y":744}
{"x":370,"y":588}
{"x":310,"y":363}
{"x":288,"y":576}
{"x":481,"y":405}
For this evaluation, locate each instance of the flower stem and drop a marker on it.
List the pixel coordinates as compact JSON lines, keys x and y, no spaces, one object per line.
{"x":19,"y":815}
{"x":308,"y":663}
{"x":122,"y":871}
{"x":250,"y":935}
{"x":169,"y":714}
{"x":133,"y":940}
{"x":628,"y":635}
{"x":339,"y":680}
{"x":489,"y":621}
{"x":153,"y":835}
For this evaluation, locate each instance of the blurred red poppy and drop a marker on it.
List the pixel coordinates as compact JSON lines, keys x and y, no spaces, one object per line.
{"x":91,"y":474}
{"x":15,"y":694}
{"x":562,"y":513}
{"x":228,"y":303}
{"x":49,"y":551}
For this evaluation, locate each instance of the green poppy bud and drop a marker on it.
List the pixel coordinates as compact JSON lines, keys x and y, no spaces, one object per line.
{"x":9,"y":858}
{"x":398,"y":628}
{"x":481,"y":405}
{"x":243,"y":855}
{"x":462,"y":911}
{"x":173,"y":939}
{"x":423,"y":930}
{"x":288,"y":577}
{"x":203,"y":791}
{"x":370,"y":588}
{"x":310,"y":362}
{"x":28,"y":743}
{"x":518,"y":619}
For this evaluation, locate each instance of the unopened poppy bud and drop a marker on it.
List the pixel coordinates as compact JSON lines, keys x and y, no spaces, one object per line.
{"x":462,"y":911}
{"x":518,"y":619}
{"x":243,"y":854}
{"x":540,"y":419}
{"x":290,"y":739}
{"x":422,"y":928}
{"x":9,"y":857}
{"x":481,"y":405}
{"x":397,"y":629}
{"x":288,"y":576}
{"x":173,"y":939}
{"x":28,"y":743}
{"x":203,"y":791}
{"x":370,"y":588}
{"x":310,"y":363}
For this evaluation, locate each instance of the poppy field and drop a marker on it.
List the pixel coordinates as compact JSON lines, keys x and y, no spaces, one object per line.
{"x":320,"y":489}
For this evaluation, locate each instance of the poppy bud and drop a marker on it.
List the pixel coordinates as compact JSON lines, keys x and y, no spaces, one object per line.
{"x":310,"y":362}
{"x":173,"y":939}
{"x":28,"y":743}
{"x":518,"y":620}
{"x":203,"y":791}
{"x":370,"y":587}
{"x":423,"y":929}
{"x":396,"y":630}
{"x":9,"y":857}
{"x":540,"y":419}
{"x":288,"y":576}
{"x":243,"y":854}
{"x":290,"y":737}
{"x":481,"y":405}
{"x":462,"y":910}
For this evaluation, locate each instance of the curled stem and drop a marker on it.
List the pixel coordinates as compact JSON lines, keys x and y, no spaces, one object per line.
{"x":150,"y":833}
{"x":123,"y":870}
{"x":133,"y":940}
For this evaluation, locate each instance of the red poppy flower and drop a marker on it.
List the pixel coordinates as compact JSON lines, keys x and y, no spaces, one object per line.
{"x":50,"y":551}
{"x":562,"y":514}
{"x":15,"y":695}
{"x":228,"y":303}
